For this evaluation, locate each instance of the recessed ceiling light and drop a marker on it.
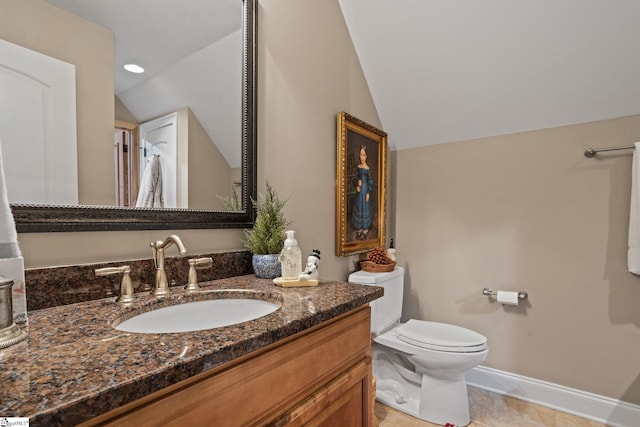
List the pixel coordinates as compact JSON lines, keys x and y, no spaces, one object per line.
{"x":134,"y":68}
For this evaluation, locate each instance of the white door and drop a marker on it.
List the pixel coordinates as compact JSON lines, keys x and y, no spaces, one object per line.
{"x":38,"y":126}
{"x":160,"y":137}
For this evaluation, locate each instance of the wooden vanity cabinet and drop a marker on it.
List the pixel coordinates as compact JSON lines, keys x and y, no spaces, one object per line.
{"x":318,"y":377}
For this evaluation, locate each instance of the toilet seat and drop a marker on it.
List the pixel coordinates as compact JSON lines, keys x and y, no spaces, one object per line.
{"x":441,"y":337}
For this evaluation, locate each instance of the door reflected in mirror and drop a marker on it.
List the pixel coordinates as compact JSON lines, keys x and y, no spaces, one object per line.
{"x":188,"y":102}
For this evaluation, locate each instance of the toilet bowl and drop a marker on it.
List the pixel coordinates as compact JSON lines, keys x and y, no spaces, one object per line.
{"x":437,"y":392}
{"x":419,"y":365}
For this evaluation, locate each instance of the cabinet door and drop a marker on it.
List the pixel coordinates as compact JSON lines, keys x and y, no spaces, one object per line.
{"x":345,"y":401}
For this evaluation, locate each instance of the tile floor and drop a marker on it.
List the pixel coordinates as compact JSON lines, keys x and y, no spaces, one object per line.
{"x":491,"y":410}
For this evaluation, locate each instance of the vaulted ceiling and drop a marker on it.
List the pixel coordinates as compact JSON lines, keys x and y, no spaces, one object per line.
{"x":192,"y":54}
{"x":442,"y":70}
{"x":451,"y":70}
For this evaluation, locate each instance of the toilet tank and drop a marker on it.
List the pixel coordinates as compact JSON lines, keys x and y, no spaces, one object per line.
{"x":387,"y":310}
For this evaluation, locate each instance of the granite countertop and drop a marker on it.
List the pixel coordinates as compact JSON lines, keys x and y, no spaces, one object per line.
{"x":74,"y":365}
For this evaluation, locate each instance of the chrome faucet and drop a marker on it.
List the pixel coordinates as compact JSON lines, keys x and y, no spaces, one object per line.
{"x":162,"y":284}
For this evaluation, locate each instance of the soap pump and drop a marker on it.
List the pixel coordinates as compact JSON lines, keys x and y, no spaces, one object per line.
{"x":291,"y":258}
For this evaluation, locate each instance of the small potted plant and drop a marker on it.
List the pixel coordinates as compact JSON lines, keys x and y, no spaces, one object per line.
{"x":266,"y":239}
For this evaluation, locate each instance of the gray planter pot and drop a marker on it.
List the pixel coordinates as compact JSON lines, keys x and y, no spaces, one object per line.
{"x":266,"y":266}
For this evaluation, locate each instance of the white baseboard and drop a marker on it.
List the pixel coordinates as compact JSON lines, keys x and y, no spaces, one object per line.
{"x":604,"y":410}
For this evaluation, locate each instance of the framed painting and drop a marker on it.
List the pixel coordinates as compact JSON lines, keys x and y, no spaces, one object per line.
{"x":361,"y":186}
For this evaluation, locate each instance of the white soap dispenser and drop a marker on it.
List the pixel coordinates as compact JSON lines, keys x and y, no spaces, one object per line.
{"x":291,"y":258}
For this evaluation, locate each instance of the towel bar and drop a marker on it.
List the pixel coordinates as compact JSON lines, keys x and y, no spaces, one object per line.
{"x":590,"y":152}
{"x":489,"y":291}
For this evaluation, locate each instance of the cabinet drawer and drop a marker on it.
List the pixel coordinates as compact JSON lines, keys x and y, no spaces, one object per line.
{"x":345,"y":401}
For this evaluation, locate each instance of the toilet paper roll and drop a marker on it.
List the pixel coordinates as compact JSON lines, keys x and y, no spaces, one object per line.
{"x":508,"y":297}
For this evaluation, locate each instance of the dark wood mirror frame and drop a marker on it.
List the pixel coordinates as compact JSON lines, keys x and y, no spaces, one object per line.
{"x":48,"y":218}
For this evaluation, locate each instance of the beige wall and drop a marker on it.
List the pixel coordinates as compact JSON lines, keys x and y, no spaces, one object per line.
{"x":528,"y":212}
{"x":122,"y":112}
{"x":39,"y":26}
{"x":209,"y":173}
{"x":310,"y":72}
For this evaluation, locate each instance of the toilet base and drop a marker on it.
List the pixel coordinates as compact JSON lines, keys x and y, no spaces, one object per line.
{"x":449,"y":407}
{"x":444,"y":401}
{"x":389,"y":396}
{"x":437,"y":400}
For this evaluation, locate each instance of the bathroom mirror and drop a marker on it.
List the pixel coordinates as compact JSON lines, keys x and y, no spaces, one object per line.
{"x":98,"y":217}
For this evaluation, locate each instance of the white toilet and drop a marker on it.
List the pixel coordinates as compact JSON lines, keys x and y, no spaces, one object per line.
{"x":419,"y":366}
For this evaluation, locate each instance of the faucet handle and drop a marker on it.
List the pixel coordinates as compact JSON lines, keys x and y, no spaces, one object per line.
{"x":126,"y":285}
{"x":196,"y":264}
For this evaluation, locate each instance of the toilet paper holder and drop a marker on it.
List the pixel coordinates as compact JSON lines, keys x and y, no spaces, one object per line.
{"x":489,"y":291}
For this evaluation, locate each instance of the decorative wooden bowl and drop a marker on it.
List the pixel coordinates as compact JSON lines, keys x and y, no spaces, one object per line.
{"x":372,"y":267}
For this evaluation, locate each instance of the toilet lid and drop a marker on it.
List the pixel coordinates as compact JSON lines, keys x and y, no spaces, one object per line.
{"x":441,"y":336}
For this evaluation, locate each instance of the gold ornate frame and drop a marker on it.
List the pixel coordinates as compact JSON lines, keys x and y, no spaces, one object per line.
{"x":352,"y":234}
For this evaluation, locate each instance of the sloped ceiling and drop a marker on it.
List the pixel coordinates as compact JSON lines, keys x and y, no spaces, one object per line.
{"x":451,"y":70}
{"x":192,"y":54}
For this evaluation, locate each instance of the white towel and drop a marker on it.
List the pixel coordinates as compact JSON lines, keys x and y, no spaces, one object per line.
{"x":8,"y":236}
{"x":150,"y":194}
{"x":633,"y":254}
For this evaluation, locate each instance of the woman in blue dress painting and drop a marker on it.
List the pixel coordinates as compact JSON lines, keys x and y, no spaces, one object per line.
{"x":362,"y":217}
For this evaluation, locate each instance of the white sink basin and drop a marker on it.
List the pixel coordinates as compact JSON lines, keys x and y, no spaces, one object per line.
{"x":197,"y":316}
